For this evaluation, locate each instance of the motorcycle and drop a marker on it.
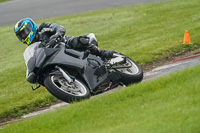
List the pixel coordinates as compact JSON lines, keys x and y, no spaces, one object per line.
{"x":72,"y":75}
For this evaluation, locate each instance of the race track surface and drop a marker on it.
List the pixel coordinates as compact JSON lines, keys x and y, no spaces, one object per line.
{"x":12,"y":11}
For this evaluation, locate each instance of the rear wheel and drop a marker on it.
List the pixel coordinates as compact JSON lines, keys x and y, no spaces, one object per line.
{"x":58,"y":86}
{"x":130,"y":72}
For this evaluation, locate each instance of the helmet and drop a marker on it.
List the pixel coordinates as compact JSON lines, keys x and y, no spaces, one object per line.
{"x":25,"y":29}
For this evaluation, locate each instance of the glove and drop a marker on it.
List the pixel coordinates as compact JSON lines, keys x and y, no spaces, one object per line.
{"x":52,"y":42}
{"x":55,"y":36}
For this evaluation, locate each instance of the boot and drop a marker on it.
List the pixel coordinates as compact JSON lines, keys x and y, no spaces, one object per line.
{"x":106,"y":54}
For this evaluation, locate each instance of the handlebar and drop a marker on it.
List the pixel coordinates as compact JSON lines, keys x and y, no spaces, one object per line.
{"x":56,"y":44}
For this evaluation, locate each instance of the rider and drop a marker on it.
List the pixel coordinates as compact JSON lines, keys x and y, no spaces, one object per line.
{"x":27,"y":32}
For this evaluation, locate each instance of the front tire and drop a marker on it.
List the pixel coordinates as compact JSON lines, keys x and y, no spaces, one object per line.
{"x":59,"y":87}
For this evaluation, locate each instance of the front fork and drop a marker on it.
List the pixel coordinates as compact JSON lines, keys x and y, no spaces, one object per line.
{"x":69,"y":80}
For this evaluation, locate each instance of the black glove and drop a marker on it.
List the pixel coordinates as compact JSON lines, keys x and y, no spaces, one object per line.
{"x":56,"y":36}
{"x":52,"y":42}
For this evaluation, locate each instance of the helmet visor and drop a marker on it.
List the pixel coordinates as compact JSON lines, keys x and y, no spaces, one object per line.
{"x":23,"y":34}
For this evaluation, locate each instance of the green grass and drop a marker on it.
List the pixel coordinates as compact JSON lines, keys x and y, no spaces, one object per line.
{"x":144,"y":32}
{"x":3,"y":0}
{"x":169,"y":105}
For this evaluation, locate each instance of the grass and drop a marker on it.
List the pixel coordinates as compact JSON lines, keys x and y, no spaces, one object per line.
{"x":3,"y":0}
{"x":169,"y":105}
{"x":145,"y":32}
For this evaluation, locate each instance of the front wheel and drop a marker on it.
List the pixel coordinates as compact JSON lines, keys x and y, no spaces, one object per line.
{"x":60,"y":88}
{"x":130,"y":72}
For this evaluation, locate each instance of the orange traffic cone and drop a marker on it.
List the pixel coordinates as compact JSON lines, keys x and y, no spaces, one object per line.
{"x":187,"y":38}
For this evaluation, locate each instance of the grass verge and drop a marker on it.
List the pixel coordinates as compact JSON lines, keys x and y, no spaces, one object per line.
{"x":144,"y":32}
{"x":169,"y":105}
{"x":3,"y":0}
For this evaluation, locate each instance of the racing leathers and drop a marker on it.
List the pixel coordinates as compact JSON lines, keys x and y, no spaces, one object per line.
{"x":47,"y":32}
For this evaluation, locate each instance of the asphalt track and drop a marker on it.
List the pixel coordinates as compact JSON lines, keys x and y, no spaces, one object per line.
{"x":12,"y":11}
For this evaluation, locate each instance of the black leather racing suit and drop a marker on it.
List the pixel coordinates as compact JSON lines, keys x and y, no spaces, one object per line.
{"x":47,"y":31}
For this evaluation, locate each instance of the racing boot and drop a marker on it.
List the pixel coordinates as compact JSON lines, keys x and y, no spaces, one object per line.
{"x":106,"y":54}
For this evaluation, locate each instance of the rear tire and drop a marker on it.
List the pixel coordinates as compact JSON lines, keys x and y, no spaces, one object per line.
{"x":131,"y":75}
{"x":58,"y":86}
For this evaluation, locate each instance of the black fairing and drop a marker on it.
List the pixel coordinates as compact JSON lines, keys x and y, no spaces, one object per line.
{"x":41,"y":54}
{"x":91,"y":70}
{"x":36,"y":62}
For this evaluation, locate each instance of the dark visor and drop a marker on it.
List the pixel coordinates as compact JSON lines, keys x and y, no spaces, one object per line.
{"x":22,"y":35}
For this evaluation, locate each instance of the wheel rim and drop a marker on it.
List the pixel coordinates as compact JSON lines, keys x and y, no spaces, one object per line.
{"x":76,"y":88}
{"x":133,"y":69}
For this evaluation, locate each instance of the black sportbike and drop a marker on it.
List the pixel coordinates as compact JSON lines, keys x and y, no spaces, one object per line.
{"x":72,"y":75}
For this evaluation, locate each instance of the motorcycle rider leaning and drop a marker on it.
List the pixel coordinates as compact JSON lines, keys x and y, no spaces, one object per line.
{"x":27,"y":32}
